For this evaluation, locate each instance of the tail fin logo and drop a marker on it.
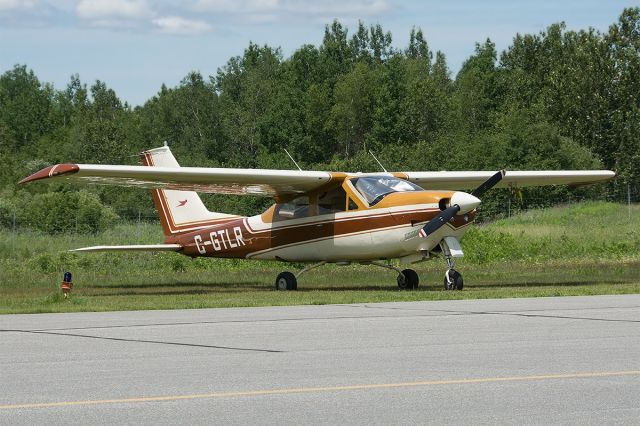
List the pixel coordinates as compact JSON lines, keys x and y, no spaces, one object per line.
{"x":181,"y":203}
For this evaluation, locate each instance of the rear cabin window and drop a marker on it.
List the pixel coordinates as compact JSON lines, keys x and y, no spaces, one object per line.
{"x":333,"y":201}
{"x":329,"y":202}
{"x":294,"y":209}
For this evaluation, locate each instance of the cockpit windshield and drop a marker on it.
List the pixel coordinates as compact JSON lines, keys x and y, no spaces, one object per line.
{"x":374,"y":188}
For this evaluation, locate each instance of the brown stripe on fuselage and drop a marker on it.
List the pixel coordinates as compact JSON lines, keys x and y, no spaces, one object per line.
{"x":281,"y":236}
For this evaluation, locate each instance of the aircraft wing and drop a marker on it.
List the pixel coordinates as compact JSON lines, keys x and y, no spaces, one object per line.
{"x":276,"y":183}
{"x":516,"y":179}
{"x":201,"y":179}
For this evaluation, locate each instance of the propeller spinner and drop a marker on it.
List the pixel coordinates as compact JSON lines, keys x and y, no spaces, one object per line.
{"x":461,"y":202}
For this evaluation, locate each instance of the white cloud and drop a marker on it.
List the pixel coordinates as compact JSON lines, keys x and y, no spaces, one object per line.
{"x":285,"y":8}
{"x":138,"y":15}
{"x":28,"y":13}
{"x":108,"y":10}
{"x":349,"y":8}
{"x":238,"y":6}
{"x":181,"y":26}
{"x":182,"y":17}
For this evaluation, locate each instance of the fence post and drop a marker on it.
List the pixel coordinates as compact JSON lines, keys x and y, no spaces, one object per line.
{"x":14,"y":222}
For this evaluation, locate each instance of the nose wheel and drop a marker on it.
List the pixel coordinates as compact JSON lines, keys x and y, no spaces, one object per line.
{"x":453,"y":280}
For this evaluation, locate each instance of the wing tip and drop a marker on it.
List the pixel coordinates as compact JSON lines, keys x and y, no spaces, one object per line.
{"x":52,"y":171}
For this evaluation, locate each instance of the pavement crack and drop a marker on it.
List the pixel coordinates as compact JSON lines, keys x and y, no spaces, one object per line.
{"x":412,"y":313}
{"x":158,"y":342}
{"x":514,"y":314}
{"x":522,"y":313}
{"x":221,"y":322}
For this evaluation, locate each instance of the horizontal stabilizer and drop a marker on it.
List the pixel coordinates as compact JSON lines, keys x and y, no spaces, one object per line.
{"x":147,"y":247}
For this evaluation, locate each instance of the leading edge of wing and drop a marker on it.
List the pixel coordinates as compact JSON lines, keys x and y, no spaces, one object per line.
{"x":214,"y":180}
{"x":460,"y":180}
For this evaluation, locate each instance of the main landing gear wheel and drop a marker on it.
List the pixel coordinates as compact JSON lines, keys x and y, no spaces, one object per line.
{"x":286,"y":281}
{"x":408,"y":280}
{"x":453,"y":280}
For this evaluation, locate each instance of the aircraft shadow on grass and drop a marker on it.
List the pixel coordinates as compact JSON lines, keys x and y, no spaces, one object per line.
{"x":188,"y":288}
{"x":540,"y":283}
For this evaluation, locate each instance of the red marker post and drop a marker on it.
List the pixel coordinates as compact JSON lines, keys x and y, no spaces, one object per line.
{"x":67,"y":285}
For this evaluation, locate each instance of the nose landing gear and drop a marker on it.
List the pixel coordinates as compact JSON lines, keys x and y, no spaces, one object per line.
{"x":452,"y":278}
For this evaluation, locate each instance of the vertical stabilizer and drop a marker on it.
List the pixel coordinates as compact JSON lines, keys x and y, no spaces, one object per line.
{"x":180,"y":211}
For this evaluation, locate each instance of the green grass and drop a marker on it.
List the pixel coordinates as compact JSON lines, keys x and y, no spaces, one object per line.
{"x":587,"y":248}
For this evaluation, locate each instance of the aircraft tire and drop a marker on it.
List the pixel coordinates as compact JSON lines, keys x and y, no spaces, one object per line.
{"x":286,"y":281}
{"x":408,"y":280}
{"x":457,"y":283}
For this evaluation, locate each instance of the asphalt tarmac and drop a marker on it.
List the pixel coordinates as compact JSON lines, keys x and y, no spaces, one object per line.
{"x":571,"y":360}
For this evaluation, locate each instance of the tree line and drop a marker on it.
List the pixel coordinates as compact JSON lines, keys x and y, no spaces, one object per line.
{"x":558,"y":99}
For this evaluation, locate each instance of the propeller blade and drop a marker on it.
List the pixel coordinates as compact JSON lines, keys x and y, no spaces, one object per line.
{"x":437,"y":222}
{"x":469,"y":201}
{"x":488,"y":184}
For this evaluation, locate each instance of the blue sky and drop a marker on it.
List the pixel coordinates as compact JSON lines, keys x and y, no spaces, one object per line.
{"x":136,"y":45}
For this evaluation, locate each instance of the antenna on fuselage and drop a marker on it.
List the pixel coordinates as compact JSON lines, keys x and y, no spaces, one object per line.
{"x":294,"y":161}
{"x":379,"y":163}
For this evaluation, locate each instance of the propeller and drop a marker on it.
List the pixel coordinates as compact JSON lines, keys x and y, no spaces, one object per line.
{"x":461,"y":202}
{"x":488,"y":184}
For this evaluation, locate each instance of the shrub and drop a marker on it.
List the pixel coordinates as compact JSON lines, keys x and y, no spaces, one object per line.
{"x":60,"y":212}
{"x":8,"y":211}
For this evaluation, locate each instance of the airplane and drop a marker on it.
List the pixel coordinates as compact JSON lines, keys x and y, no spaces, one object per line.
{"x":318,"y":217}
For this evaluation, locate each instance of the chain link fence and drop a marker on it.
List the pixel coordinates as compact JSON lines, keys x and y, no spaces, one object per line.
{"x":505,"y":203}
